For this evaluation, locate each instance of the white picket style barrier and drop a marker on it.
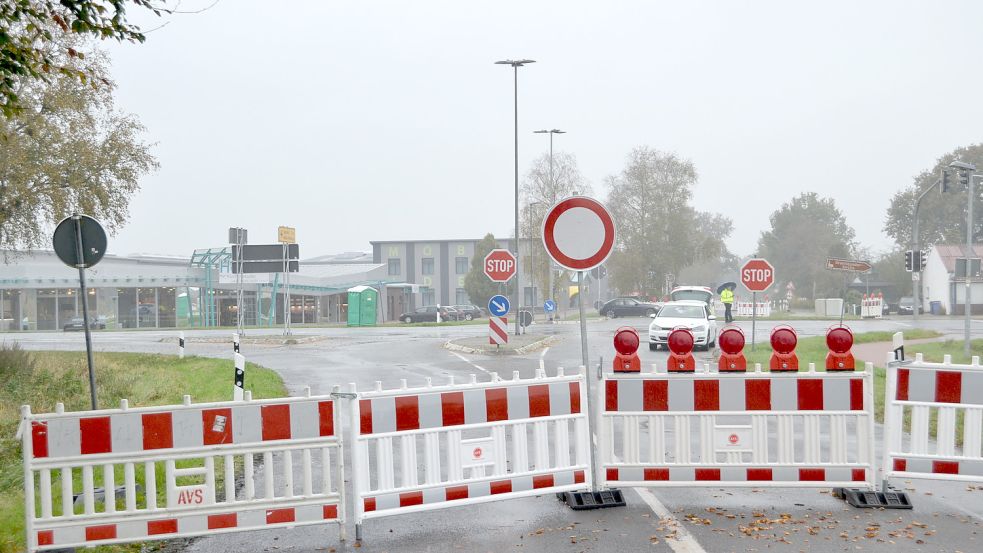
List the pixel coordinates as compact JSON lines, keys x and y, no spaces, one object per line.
{"x":747,"y":309}
{"x":872,"y":307}
{"x":754,"y":429}
{"x":946,"y":392}
{"x":480,"y":442}
{"x":201,"y":450}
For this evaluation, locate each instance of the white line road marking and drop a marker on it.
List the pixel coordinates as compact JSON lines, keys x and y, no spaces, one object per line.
{"x":542,"y":363}
{"x":469,"y":362}
{"x":900,"y":323}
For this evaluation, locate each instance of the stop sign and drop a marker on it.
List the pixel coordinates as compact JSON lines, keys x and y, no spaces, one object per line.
{"x":757,"y":275}
{"x":500,"y":265}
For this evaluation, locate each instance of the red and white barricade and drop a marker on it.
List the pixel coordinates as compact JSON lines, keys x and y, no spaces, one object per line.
{"x":747,"y":309}
{"x":923,"y":392}
{"x":872,"y":306}
{"x":92,"y":478}
{"x":790,"y":429}
{"x":479,"y":442}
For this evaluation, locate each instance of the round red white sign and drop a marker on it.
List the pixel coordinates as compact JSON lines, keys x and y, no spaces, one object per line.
{"x":578,"y":233}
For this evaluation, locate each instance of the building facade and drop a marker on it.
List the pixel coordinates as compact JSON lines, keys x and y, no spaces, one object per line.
{"x":944,"y":280}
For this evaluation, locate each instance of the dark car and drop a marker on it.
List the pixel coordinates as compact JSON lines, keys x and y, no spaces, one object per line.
{"x":76,"y":323}
{"x":906,"y":306}
{"x":428,"y":314}
{"x":629,"y":307}
{"x":468,"y":312}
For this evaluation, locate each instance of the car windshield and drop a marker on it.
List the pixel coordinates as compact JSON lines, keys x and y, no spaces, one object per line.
{"x":697,"y":295}
{"x":906,"y":301}
{"x":681,"y":312}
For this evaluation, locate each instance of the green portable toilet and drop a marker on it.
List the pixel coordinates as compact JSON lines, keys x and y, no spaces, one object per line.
{"x":362,"y":304}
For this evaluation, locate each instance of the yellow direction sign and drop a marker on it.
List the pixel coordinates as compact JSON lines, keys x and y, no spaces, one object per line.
{"x":286,"y":235}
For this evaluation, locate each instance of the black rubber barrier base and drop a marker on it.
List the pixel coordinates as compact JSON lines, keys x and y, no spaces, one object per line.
{"x":582,"y":501}
{"x":891,"y":499}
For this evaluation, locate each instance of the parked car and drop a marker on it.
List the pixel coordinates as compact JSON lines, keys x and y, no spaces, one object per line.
{"x":906,"y":306}
{"x":428,"y":313}
{"x":692,"y":314}
{"x":76,"y":323}
{"x":627,"y":307}
{"x":468,"y":312}
{"x":694,"y":293}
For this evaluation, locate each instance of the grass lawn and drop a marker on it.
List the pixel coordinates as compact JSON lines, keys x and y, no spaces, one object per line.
{"x":41,"y":379}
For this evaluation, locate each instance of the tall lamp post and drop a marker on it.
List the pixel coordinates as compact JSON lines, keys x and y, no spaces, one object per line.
{"x":516,"y":64}
{"x":549,"y":267}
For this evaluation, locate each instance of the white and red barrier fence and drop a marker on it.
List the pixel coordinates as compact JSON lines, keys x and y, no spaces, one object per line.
{"x":93,"y":478}
{"x":792,"y":429}
{"x":944,"y":393}
{"x":480,"y":441}
{"x":748,"y":309}
{"x":872,"y":306}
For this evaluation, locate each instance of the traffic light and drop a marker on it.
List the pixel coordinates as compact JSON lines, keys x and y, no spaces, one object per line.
{"x":946,"y":184}
{"x":964,"y":178}
{"x":909,"y":261}
{"x":922,"y":260}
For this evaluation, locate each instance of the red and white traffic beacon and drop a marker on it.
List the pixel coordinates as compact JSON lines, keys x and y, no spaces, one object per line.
{"x":839,"y":340}
{"x":783,"y":342}
{"x":731,"y":342}
{"x":680,"y":344}
{"x":626,"y":344}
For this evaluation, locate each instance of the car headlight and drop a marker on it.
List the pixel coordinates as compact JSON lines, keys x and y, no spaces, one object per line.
{"x":701,"y":328}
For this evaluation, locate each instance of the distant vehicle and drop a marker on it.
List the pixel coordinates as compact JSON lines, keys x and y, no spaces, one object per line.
{"x":76,"y":323}
{"x":906,"y":306}
{"x":468,"y":312}
{"x":627,"y":307}
{"x":694,"y":293}
{"x":692,"y":314}
{"x":428,"y":314}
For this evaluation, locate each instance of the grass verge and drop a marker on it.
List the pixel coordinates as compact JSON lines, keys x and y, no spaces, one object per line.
{"x":41,"y":379}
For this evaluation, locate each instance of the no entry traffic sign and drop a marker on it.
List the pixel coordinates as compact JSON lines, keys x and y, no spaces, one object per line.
{"x":578,"y":233}
{"x":757,"y":275}
{"x":500,"y":265}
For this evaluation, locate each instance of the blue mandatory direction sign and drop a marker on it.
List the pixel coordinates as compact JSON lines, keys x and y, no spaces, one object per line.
{"x":498,"y":306}
{"x":549,"y":306}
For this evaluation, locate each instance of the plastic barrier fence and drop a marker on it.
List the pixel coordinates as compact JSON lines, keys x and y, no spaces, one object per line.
{"x":924,"y":392}
{"x":797,"y":429}
{"x":480,"y":441}
{"x":746,"y":309}
{"x":872,"y":307}
{"x":120,"y":475}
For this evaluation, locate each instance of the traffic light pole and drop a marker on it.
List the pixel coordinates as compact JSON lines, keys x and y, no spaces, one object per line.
{"x":969,"y":257}
{"x":917,"y":284}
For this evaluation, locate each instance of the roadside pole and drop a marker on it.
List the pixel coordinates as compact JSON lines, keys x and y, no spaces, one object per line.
{"x":85,"y":308}
{"x":969,"y":258}
{"x":754,"y":317}
{"x":588,"y":377}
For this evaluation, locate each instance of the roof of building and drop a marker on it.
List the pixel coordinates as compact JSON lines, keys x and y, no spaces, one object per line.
{"x":340,"y":258}
{"x":950,"y":252}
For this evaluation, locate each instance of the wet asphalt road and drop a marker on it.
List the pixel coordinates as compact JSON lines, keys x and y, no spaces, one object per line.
{"x":947,"y":516}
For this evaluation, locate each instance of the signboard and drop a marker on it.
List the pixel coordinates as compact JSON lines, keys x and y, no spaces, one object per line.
{"x":286,"y":235}
{"x":265,"y":252}
{"x":549,"y":306}
{"x":498,"y":330}
{"x":500,"y":265}
{"x":757,"y":275}
{"x":293,"y":266}
{"x":578,"y":233}
{"x":498,"y":306}
{"x":837,"y":264}
{"x":65,"y":241}
{"x":238,"y":235}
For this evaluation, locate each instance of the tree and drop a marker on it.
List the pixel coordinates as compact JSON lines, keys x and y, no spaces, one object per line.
{"x":942,"y":217}
{"x":804,"y":232}
{"x":67,"y":150}
{"x":659,"y":232}
{"x":38,"y":40}
{"x":541,"y":189}
{"x":478,"y":286}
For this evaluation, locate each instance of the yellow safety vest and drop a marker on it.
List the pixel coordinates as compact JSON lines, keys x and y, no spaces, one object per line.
{"x":727,"y":296}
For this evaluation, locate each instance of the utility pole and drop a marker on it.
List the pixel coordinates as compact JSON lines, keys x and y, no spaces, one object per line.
{"x":916,"y":285}
{"x":967,"y":169}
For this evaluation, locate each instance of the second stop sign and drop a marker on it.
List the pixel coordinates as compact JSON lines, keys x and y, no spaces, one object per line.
{"x":757,"y":275}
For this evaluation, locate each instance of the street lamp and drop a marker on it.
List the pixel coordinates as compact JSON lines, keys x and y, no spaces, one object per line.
{"x":532,"y":252}
{"x":970,"y":177}
{"x":516,"y":64}
{"x":551,"y":132}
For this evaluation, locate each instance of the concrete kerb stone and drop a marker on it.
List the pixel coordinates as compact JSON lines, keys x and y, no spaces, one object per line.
{"x":490,"y":350}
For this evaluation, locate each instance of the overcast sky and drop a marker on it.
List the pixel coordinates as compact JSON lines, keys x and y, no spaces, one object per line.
{"x":357,"y":121}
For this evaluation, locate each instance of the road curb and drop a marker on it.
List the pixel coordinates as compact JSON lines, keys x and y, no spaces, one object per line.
{"x":545,"y":341}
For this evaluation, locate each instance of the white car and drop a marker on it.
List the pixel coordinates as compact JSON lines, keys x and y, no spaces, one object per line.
{"x":694,"y":315}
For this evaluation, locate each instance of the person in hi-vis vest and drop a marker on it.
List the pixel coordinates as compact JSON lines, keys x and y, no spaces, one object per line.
{"x":727,"y":298}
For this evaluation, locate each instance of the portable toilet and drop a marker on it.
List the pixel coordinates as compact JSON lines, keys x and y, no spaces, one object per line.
{"x":362,"y":305}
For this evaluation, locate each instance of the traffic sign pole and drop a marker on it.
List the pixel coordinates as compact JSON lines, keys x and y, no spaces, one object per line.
{"x":85,"y":308}
{"x":754,"y":316}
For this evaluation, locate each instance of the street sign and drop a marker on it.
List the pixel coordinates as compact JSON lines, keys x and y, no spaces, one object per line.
{"x":498,"y":306}
{"x":498,"y":330}
{"x":65,"y":241}
{"x":500,"y":265}
{"x":549,"y":306}
{"x":266,"y":258}
{"x":578,"y":233}
{"x":238,"y":235}
{"x":757,"y":275}
{"x":286,"y":235}
{"x":837,"y":264}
